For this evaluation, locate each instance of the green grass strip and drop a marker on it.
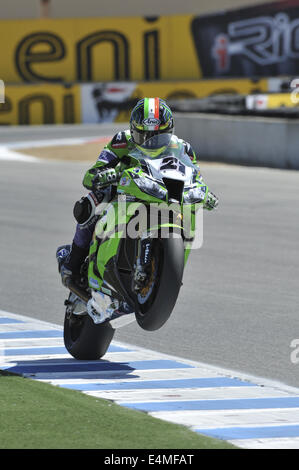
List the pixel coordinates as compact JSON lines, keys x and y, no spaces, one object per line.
{"x":37,"y":415}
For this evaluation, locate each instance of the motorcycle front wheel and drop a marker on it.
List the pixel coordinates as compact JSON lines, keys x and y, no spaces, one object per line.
{"x":157,"y":300}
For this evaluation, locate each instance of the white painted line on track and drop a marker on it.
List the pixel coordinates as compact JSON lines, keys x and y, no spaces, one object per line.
{"x":7,"y":151}
{"x":51,"y":142}
{"x":247,"y":411}
{"x":7,"y":154}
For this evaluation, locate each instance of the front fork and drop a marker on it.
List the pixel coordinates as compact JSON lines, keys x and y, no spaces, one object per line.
{"x":143,"y":264}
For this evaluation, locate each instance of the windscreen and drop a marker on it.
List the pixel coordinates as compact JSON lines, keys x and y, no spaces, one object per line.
{"x":172,"y":148}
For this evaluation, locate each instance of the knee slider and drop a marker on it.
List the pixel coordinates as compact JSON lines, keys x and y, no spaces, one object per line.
{"x":84,"y":209}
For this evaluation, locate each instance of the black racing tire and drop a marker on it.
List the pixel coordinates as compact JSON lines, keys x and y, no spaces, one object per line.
{"x":84,"y":339}
{"x":158,"y":309}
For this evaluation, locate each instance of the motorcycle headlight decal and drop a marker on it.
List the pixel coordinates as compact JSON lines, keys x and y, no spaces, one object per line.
{"x":195,"y":194}
{"x":150,"y":187}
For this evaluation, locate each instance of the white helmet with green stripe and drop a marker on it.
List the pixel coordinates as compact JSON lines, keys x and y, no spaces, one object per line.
{"x":151,"y":117}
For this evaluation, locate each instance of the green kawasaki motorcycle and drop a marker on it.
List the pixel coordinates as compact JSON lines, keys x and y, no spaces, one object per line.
{"x":140,"y":247}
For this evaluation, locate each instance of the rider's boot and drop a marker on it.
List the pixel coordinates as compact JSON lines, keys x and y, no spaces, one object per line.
{"x":70,"y":260}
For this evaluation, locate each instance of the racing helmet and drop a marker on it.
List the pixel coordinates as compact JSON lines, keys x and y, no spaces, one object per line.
{"x":151,"y":125}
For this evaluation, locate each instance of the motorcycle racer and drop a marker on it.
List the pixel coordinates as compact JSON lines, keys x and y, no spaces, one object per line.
{"x":150,"y":117}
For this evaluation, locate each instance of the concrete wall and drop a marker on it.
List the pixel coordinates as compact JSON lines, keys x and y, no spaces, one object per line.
{"x":12,"y":9}
{"x":248,"y":140}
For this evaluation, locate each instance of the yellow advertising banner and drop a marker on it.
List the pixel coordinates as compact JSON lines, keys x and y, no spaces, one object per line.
{"x":100,"y":102}
{"x":236,"y":43}
{"x":41,"y":104}
{"x":98,"y":49}
{"x":274,"y":101}
{"x":282,"y":100}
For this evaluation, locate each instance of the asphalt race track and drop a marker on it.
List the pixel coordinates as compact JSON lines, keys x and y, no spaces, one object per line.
{"x":238,"y":307}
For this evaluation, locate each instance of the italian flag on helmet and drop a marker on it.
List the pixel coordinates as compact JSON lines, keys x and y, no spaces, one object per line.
{"x":150,"y":117}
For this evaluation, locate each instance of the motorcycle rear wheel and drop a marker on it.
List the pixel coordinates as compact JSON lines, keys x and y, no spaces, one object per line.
{"x":84,"y":339}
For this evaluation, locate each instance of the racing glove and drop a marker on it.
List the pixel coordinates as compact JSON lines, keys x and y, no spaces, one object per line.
{"x":104,"y":178}
{"x":211,"y":202}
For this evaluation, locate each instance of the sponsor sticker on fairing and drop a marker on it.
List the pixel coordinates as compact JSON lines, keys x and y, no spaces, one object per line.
{"x":125,"y":181}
